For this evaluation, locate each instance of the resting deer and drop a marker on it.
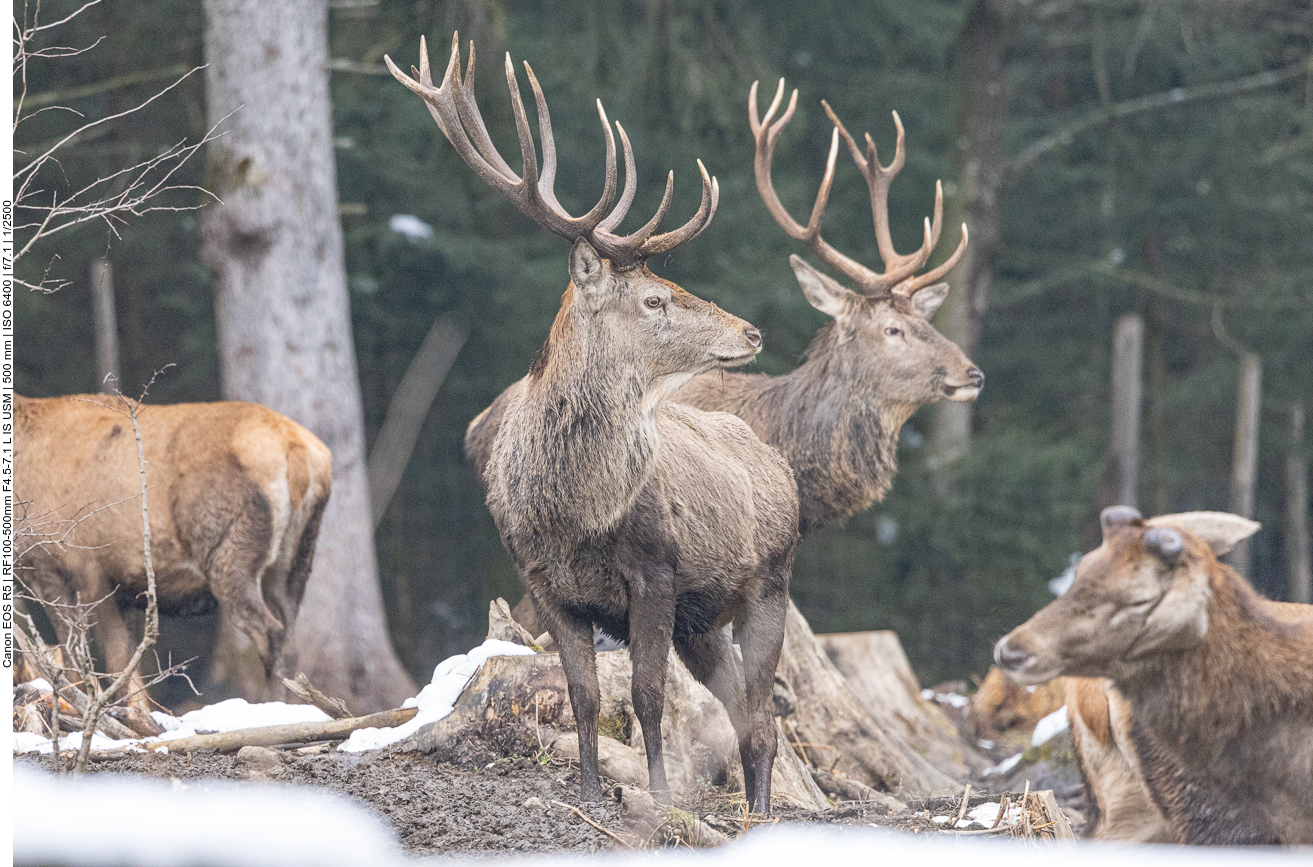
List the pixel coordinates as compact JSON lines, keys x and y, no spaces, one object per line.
{"x":658,"y":522}
{"x":836,"y":418}
{"x":1218,"y":680}
{"x":237,"y":492}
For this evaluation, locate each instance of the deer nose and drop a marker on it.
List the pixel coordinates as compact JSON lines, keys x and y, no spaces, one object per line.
{"x":977,"y":376}
{"x":753,"y":335}
{"x":1010,"y":659}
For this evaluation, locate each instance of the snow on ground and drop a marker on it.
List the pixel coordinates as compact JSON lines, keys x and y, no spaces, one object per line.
{"x":1047,"y":728}
{"x":983,"y":814}
{"x":438,"y":698}
{"x":434,"y":702}
{"x":1004,"y":766}
{"x":235,"y":713}
{"x":108,"y":819}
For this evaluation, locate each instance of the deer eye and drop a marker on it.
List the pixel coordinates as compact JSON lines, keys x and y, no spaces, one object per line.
{"x":892,"y":331}
{"x":653,"y":302}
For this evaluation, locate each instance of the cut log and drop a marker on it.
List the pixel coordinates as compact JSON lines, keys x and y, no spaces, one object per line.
{"x":293,"y":733}
{"x":879,"y":674}
{"x":829,"y":712}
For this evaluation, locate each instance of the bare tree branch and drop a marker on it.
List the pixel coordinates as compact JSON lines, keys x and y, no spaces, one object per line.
{"x":1131,"y":107}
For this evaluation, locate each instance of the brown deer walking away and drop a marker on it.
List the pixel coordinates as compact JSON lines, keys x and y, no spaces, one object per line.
{"x":1218,"y":680}
{"x":836,"y":418}
{"x":658,"y":522}
{"x":236,"y":492}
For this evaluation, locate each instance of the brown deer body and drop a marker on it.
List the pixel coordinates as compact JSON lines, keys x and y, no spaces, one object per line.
{"x":236,"y":496}
{"x":1218,"y":680}
{"x":836,"y":418}
{"x":660,"y":523}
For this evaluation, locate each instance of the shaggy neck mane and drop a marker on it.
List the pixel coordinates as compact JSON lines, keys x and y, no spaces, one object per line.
{"x":584,"y":442}
{"x":1250,"y":667}
{"x":829,"y":419}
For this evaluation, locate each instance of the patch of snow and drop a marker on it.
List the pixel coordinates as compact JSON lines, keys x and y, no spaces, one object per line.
{"x":40,"y":684}
{"x":1053,"y":724}
{"x":985,"y":744}
{"x":26,"y":742}
{"x":928,"y":694}
{"x":434,"y":702}
{"x":939,"y":819}
{"x":238,"y":713}
{"x":1003,"y":767}
{"x":167,"y":721}
{"x":437,"y":699}
{"x":212,"y":823}
{"x":410,"y":226}
{"x":987,"y":815}
{"x":952,"y":699}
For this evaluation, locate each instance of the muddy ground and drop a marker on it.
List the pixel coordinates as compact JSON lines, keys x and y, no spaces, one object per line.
{"x":505,"y":806}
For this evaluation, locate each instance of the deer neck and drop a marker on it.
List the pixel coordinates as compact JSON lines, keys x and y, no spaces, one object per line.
{"x":838,"y":429}
{"x":1249,"y":668}
{"x":584,"y":436}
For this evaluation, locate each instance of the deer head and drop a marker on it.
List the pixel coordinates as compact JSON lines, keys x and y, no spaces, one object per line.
{"x":615,"y":309}
{"x":1143,"y":591}
{"x":885,"y":323}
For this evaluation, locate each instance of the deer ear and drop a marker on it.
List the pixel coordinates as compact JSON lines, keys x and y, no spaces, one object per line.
{"x":1221,"y":530}
{"x":823,"y":293}
{"x":926,"y":301}
{"x":587,"y":270}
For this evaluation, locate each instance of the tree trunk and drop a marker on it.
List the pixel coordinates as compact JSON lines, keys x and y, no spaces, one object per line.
{"x":108,"y":368}
{"x":284,"y":328}
{"x":1244,"y":463}
{"x":1127,"y":393}
{"x":1299,"y":571}
{"x":979,"y":165}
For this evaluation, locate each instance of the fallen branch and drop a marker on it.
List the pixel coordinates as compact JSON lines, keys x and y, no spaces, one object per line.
{"x":306,"y":691}
{"x":292,"y":733}
{"x":580,"y":813}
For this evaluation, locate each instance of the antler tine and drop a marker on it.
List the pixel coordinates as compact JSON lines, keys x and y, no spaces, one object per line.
{"x":442,"y":104}
{"x":527,"y":151}
{"x":909,"y":287}
{"x":898,"y":267}
{"x":457,"y":114}
{"x":631,"y":183}
{"x":706,"y":210}
{"x":766,"y":134}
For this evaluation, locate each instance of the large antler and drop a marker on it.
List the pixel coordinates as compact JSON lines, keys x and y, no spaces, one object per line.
{"x":900,"y":275}
{"x":453,"y":108}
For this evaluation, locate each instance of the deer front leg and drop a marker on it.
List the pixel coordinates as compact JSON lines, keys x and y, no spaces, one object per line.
{"x":761,"y":636}
{"x":574,"y":640}
{"x":651,"y":622}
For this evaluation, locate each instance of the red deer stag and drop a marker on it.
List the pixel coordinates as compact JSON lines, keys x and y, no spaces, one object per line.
{"x":236,"y":496}
{"x":836,"y":418}
{"x":658,"y":522}
{"x":1218,"y":680}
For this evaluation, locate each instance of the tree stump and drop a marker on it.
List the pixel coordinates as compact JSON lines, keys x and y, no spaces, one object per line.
{"x":879,"y":674}
{"x":520,"y":704}
{"x":828,"y":713}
